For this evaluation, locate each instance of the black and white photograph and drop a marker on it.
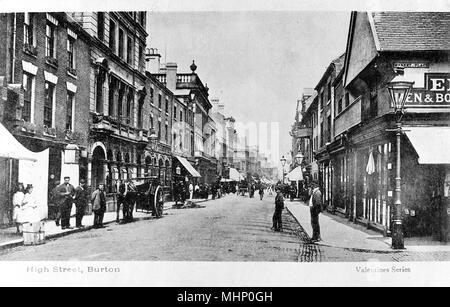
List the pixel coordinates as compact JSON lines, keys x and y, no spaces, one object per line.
{"x":235,"y":136}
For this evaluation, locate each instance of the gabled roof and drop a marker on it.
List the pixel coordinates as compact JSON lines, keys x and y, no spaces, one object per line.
{"x":411,"y":31}
{"x":337,"y":63}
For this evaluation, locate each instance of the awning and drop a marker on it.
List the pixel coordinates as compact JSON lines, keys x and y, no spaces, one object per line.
{"x":12,"y":148}
{"x":432,"y":144}
{"x":296,"y":174}
{"x":188,"y":166}
{"x":234,"y":175}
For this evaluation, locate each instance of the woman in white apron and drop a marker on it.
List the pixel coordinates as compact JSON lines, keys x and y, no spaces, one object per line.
{"x":17,"y":203}
{"x":29,"y":208}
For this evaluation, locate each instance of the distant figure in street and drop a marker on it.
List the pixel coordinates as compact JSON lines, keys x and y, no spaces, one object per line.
{"x":65,"y":192}
{"x":98,"y":199}
{"x":191,"y":190}
{"x":315,"y":205}
{"x":261,"y":192}
{"x":81,"y":200}
{"x":56,"y":200}
{"x":130,"y":199}
{"x":17,"y":203}
{"x":279,"y":206}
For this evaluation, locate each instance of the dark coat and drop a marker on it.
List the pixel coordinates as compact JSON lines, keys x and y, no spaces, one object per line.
{"x":60,"y":193}
{"x":81,"y":196}
{"x":317,"y":201}
{"x":279,"y":201}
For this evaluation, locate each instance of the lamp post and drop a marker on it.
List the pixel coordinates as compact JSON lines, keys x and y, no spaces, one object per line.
{"x":299,"y":159}
{"x":283,"y":163}
{"x":153,"y":138}
{"x":398,"y":92}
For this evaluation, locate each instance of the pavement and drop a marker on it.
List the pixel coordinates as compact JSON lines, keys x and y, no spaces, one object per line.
{"x":9,"y":238}
{"x":338,"y":232}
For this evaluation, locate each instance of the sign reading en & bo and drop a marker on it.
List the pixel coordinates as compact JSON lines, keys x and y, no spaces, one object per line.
{"x":436,"y":92}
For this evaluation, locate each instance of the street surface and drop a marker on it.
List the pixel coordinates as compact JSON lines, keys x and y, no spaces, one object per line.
{"x":233,"y":228}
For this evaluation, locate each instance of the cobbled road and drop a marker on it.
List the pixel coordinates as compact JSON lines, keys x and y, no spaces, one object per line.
{"x":233,"y":228}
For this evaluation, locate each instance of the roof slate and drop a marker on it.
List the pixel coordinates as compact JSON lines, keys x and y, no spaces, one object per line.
{"x":412,"y":31}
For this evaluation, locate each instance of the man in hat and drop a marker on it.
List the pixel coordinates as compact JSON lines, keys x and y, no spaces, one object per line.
{"x":279,"y":206}
{"x":80,"y":200}
{"x":65,"y":192}
{"x":98,"y":199}
{"x":315,"y":205}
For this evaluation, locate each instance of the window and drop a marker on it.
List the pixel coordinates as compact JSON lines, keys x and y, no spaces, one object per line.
{"x":167,"y":105}
{"x":339,"y":106}
{"x":142,"y":18}
{"x":329,"y":128}
{"x":28,"y":29}
{"x":111,"y":95}
{"x":329,"y":91}
{"x":175,"y":112}
{"x":373,"y":105}
{"x":129,"y":102}
{"x":141,"y":58}
{"x":129,"y":50}
{"x":99,"y":94}
{"x":321,"y":100}
{"x":27,"y":96}
{"x":151,"y":121}
{"x":181,"y":115}
{"x":101,"y":25}
{"x":120,"y":102}
{"x":112,"y":36}
{"x":152,"y":93}
{"x":121,"y":43}
{"x":166,"y":132}
{"x":69,"y":110}
{"x":347,"y":99}
{"x":159,"y":101}
{"x":159,"y":130}
{"x":70,"y":52}
{"x":48,"y":104}
{"x":50,"y":41}
{"x":321,"y":134}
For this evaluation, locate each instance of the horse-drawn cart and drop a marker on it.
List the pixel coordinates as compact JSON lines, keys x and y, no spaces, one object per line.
{"x":149,"y":195}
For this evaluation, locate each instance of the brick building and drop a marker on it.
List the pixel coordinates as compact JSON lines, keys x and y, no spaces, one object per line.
{"x":44,"y":59}
{"x":118,"y":136}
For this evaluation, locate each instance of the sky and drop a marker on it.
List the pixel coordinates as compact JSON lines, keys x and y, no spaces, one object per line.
{"x":256,"y":62}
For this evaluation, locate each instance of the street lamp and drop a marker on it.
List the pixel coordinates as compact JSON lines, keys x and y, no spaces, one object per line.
{"x":283,"y":163}
{"x":398,"y":92}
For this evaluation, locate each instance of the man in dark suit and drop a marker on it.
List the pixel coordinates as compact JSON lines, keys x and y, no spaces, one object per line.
{"x":80,"y":200}
{"x":315,"y":205}
{"x":279,"y":206}
{"x":122,"y":191}
{"x":98,"y":199}
{"x":65,"y":192}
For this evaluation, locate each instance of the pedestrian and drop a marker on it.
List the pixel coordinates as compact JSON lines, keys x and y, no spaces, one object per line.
{"x":315,"y":205}
{"x":56,"y":200}
{"x":98,"y":199}
{"x":279,"y":206}
{"x":122,"y":191}
{"x":30,"y":214}
{"x":191,"y":190}
{"x":80,"y":199}
{"x":65,"y":192}
{"x":197,"y":191}
{"x":17,"y":203}
{"x":261,"y":192}
{"x":130,"y":199}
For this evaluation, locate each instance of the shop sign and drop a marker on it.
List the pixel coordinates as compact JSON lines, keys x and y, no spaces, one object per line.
{"x":436,"y":92}
{"x":411,"y":65}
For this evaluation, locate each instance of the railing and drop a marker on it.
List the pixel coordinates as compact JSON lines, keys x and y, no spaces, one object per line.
{"x":184,"y":78}
{"x":161,"y":78}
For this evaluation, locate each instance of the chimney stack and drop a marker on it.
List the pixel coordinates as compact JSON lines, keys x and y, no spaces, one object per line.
{"x":152,"y":60}
{"x":171,"y":76}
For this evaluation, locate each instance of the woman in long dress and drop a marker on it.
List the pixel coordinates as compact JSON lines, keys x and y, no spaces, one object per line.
{"x":29,"y":207}
{"x":17,"y":203}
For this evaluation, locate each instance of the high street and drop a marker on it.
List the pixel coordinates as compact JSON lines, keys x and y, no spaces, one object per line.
{"x":233,"y":228}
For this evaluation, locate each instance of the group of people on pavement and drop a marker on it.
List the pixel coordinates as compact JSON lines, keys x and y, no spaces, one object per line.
{"x":25,"y":206}
{"x":315,"y":205}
